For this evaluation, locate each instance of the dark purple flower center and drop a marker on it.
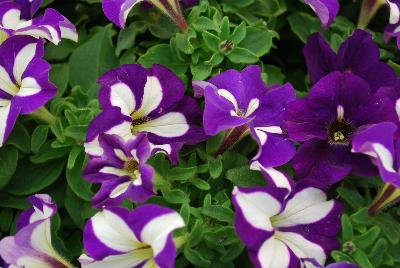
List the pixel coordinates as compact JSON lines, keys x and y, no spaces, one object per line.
{"x":339,"y":132}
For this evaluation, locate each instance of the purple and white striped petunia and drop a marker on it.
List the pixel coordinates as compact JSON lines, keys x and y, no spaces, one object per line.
{"x":122,"y":171}
{"x":117,"y":10}
{"x":358,"y":54}
{"x":378,"y":142}
{"x":280,"y":230}
{"x":326,"y":10}
{"x":31,"y":246}
{"x":143,"y":237}
{"x":51,"y":25}
{"x":393,"y":29}
{"x":241,"y":103}
{"x":336,"y":108}
{"x":24,"y":83}
{"x":138,"y":100}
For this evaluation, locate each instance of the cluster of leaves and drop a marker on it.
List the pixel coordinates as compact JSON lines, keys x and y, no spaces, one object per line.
{"x":222,"y":35}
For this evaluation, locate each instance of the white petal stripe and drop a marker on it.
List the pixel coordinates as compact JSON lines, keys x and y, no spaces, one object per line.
{"x":127,"y":260}
{"x":29,"y":87}
{"x":22,"y":60}
{"x":229,"y":96}
{"x":114,"y":232}
{"x":394,"y":13}
{"x":384,"y":156}
{"x":257,"y":208}
{"x":122,"y":96}
{"x":169,"y":125}
{"x":11,"y":19}
{"x":6,"y":84}
{"x":273,"y":254}
{"x":302,"y":247}
{"x":155,"y":232}
{"x":152,"y":97}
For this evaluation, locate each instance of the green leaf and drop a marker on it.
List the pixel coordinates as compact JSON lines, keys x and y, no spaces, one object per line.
{"x":303,"y":25}
{"x":367,"y":239}
{"x":212,"y":41}
{"x":76,"y":182}
{"x":196,"y":234}
{"x":175,"y":196}
{"x":164,"y":55}
{"x":224,"y":33}
{"x":20,"y":138}
{"x":6,"y":216}
{"x":218,"y":212}
{"x":215,"y":166}
{"x":127,"y":36}
{"x":59,"y":75}
{"x":92,"y":59}
{"x":47,"y":152}
{"x":362,"y":259}
{"x":31,"y":178}
{"x":78,"y":209}
{"x":258,"y":40}
{"x":195,"y":257}
{"x":239,"y":33}
{"x":245,"y":177}
{"x":242,"y":55}
{"x":73,"y":155}
{"x":351,"y":196}
{"x":233,"y":252}
{"x":202,"y":24}
{"x":12,"y":201}
{"x":39,"y":137}
{"x":377,"y":252}
{"x":8,"y":164}
{"x":201,"y":71}
{"x":201,"y":184}
{"x":181,"y":173}
{"x":183,"y":41}
{"x":347,"y":229}
{"x":185,"y":212}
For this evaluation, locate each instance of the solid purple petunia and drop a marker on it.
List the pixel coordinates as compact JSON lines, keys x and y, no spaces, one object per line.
{"x":138,"y":100}
{"x":116,"y":237}
{"x":336,"y":108}
{"x":24,"y":83}
{"x":31,"y":246}
{"x":301,"y":225}
{"x":241,"y":103}
{"x":122,"y":171}
{"x":358,"y":54}
{"x":51,"y":26}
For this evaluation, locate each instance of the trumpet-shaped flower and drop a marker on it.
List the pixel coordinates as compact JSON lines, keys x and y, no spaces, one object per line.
{"x":31,"y":246}
{"x":138,"y":100}
{"x":117,"y":10}
{"x":358,"y":54}
{"x":24,"y":83}
{"x":240,"y":102}
{"x":51,"y":26}
{"x":122,"y":171}
{"x":326,"y":10}
{"x":328,"y":119}
{"x":280,"y":230}
{"x":116,"y":237}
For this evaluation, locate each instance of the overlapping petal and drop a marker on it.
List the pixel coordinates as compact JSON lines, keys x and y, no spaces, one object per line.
{"x":32,"y":243}
{"x":142,"y":237}
{"x":24,"y":83}
{"x":326,"y":10}
{"x":275,"y":234}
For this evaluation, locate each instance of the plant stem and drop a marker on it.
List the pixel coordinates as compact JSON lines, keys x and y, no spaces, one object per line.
{"x":368,"y":11}
{"x":232,"y":137}
{"x":44,"y":115}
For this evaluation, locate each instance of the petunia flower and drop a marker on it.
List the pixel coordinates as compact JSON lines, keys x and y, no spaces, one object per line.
{"x":138,"y":100}
{"x":393,"y":29}
{"x":122,"y":171}
{"x":24,"y":83}
{"x":326,"y":10}
{"x":117,"y":10}
{"x":31,"y":246}
{"x":358,"y":54}
{"x":51,"y":26}
{"x":240,"y":103}
{"x":116,"y":237}
{"x":336,"y":108}
{"x":378,"y":142}
{"x":280,"y":230}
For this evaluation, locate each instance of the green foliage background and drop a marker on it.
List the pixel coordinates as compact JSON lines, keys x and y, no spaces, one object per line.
{"x":40,"y":158}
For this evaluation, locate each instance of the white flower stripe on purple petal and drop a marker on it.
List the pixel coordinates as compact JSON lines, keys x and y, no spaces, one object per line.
{"x":326,"y":10}
{"x":31,"y":246}
{"x":51,"y":25}
{"x":274,"y":233}
{"x":142,"y":237}
{"x":24,"y":80}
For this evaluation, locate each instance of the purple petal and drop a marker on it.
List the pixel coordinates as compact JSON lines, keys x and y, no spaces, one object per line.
{"x":326,"y":10}
{"x":117,"y":10}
